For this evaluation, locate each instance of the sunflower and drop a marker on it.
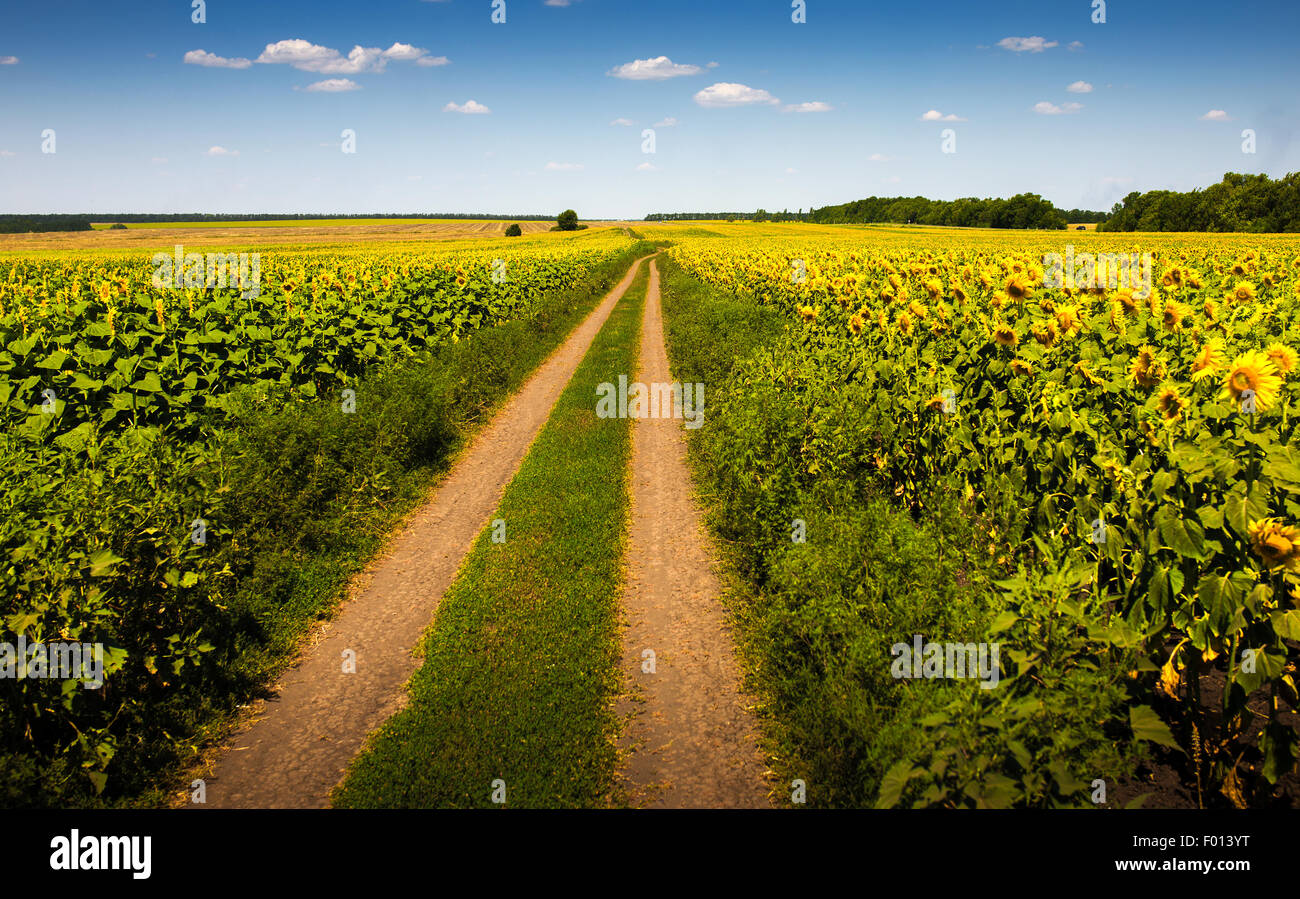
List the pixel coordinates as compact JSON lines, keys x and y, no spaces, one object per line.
{"x":1243,"y":292}
{"x":1083,"y":369}
{"x":1253,"y":371}
{"x":905,"y":324}
{"x":1045,"y":334}
{"x":1018,"y":288}
{"x":1126,"y":298}
{"x":1276,"y":544}
{"x":1173,"y":314}
{"x":1171,"y":404}
{"x":958,"y":293}
{"x":1209,"y":360}
{"x":1283,"y":358}
{"x":1117,"y":318}
{"x":856,"y":323}
{"x":1021,"y":367}
{"x":808,"y":314}
{"x":1005,"y":335}
{"x":936,"y":403}
{"x":934,"y":287}
{"x":1067,"y":319}
{"x":917,"y":309}
{"x":1147,"y":370}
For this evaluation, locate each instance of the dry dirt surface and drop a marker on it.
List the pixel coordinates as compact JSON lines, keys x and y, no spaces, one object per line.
{"x":295,"y":748}
{"x":690,"y":741}
{"x":340,"y":232}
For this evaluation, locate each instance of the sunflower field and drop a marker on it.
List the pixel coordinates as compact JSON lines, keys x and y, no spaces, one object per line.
{"x":188,"y":475}
{"x":1128,"y":453}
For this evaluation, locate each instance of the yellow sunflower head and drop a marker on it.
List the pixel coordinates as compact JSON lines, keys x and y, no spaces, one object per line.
{"x":1147,"y":370}
{"x":1209,"y":360}
{"x":1005,"y":335}
{"x":1244,"y":292}
{"x":1283,"y":358}
{"x":1276,"y":544}
{"x":1017,"y":288}
{"x":1172,"y":316}
{"x":856,"y":324}
{"x":1171,"y":404}
{"x":1253,"y":372}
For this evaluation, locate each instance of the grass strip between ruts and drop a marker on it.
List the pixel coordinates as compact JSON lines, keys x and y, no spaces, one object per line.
{"x":515,"y":696}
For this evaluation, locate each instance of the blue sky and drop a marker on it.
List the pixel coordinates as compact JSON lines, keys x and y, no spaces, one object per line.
{"x":764,"y":112}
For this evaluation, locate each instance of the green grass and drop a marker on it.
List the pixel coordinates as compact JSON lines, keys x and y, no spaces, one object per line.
{"x":521,"y":664}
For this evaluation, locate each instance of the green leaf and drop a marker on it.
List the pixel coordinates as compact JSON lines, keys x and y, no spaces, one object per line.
{"x":1003,"y":621}
{"x":102,"y":562}
{"x":1147,"y":725}
{"x":1287,"y":624}
{"x":893,"y":783}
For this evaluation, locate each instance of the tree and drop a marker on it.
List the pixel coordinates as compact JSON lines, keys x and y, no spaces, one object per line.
{"x":567,"y":220}
{"x":514,"y":231}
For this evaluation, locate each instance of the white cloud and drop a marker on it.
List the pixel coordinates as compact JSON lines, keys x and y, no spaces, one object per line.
{"x":1045,"y":108}
{"x":559,"y":2}
{"x":309,"y":57}
{"x":893,"y":179}
{"x":212,"y":60}
{"x":564,"y":167}
{"x":1074,"y":45}
{"x":470,"y":107}
{"x":1023,"y":44}
{"x":221,"y":151}
{"x":1216,"y":115}
{"x":1079,"y":87}
{"x":647,"y":167}
{"x":712,"y":65}
{"x":7,"y":153}
{"x":878,"y":157}
{"x":625,"y":123}
{"x":792,"y":171}
{"x":812,"y":106}
{"x":8,"y":60}
{"x":935,"y":115}
{"x":159,"y":160}
{"x":333,"y":86}
{"x":657,"y":68}
{"x":666,"y":123}
{"x":404,"y":51}
{"x":725,"y":93}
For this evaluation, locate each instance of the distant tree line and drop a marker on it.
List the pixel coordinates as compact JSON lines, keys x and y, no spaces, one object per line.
{"x":1085,"y":216}
{"x":1020,"y":211}
{"x":1237,"y":203}
{"x":25,"y":224}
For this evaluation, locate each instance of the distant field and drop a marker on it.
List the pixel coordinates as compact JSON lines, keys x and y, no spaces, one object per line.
{"x":228,"y":234}
{"x":309,"y":223}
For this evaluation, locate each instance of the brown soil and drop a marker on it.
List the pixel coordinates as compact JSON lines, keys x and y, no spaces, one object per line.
{"x":690,"y":739}
{"x":294,"y":749}
{"x":153,"y":239}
